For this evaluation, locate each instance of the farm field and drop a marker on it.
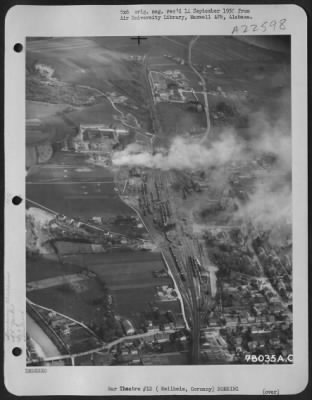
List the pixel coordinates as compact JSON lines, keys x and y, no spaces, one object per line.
{"x":222,"y":48}
{"x":175,"y":119}
{"x":80,"y":189}
{"x":77,"y":60}
{"x":124,"y":267}
{"x":79,"y":172}
{"x":71,"y":200}
{"x":125,"y":275}
{"x":41,"y":110}
{"x":82,"y":301}
{"x":142,"y":302}
{"x":129,"y":275}
{"x":54,"y":129}
{"x":95,"y":114}
{"x":38,"y":268}
{"x":83,"y":62}
{"x":79,"y":300}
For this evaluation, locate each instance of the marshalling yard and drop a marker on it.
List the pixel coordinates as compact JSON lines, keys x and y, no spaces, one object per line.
{"x":124,"y":264}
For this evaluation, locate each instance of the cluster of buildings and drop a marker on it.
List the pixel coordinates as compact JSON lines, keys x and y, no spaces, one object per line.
{"x":62,"y":227}
{"x":164,"y":319}
{"x":166,"y":293}
{"x":178,"y":60}
{"x":130,"y":225}
{"x":214,"y":348}
{"x":206,"y":69}
{"x":157,"y":347}
{"x":254,"y":308}
{"x":277,"y":267}
{"x":136,"y":57}
{"x":267,"y":339}
{"x":98,"y":138}
{"x":171,"y":86}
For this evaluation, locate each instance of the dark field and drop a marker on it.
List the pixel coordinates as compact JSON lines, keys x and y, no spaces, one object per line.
{"x":42,"y":268}
{"x":71,"y":200}
{"x":95,"y":114}
{"x":83,"y":306}
{"x":37,"y":109}
{"x":127,"y":268}
{"x":82,"y":301}
{"x":70,"y":186}
{"x":176,"y":119}
{"x":142,"y":300}
{"x":129,"y":277}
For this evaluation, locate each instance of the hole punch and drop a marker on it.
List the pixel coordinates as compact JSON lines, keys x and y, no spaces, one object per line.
{"x":16,"y":200}
{"x":18,"y":47}
{"x":16,"y":351}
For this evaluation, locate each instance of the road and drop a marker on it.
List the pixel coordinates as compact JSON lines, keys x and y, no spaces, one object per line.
{"x":107,"y":346}
{"x":204,"y":91}
{"x":49,"y":210}
{"x":56,"y":182}
{"x":121,"y":113}
{"x":156,"y":125}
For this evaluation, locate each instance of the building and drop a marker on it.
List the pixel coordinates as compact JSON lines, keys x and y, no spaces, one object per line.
{"x":98,"y":137}
{"x":127,"y":327}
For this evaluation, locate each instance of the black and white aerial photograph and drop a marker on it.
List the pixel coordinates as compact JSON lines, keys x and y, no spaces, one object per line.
{"x":158,"y":200}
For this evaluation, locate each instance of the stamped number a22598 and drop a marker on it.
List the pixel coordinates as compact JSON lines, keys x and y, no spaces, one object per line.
{"x":266,"y":26}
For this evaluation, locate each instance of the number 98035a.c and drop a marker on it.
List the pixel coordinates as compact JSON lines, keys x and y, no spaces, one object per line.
{"x":269,"y":359}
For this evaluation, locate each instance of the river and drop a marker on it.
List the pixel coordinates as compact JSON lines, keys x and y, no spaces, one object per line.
{"x":40,"y":338}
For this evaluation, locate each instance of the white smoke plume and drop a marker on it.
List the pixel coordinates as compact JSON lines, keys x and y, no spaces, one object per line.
{"x":184,"y":154}
{"x":267,"y":206}
{"x":270,"y":201}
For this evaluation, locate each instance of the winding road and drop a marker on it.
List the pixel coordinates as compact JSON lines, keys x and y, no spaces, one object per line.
{"x":122,"y":114}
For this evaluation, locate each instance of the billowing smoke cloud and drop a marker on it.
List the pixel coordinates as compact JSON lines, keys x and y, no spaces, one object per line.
{"x":265,"y":137}
{"x":267,"y":205}
{"x":270,"y":200}
{"x":184,"y":153}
